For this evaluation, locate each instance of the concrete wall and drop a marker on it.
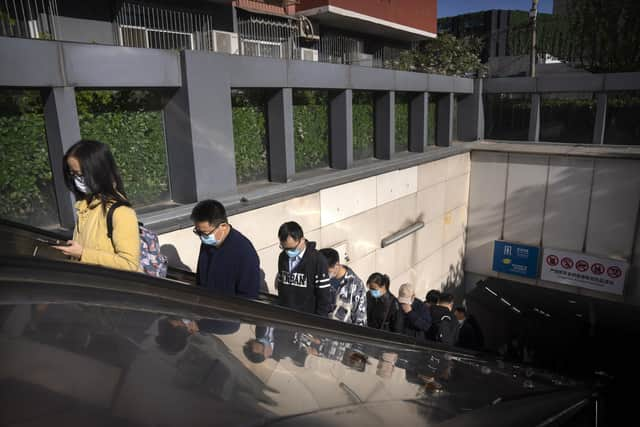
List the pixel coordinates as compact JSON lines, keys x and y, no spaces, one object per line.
{"x":85,"y":30}
{"x":359,"y":214}
{"x":578,"y":203}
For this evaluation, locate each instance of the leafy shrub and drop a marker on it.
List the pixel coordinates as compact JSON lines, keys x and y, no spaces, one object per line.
{"x":250,"y":138}
{"x":402,"y":122}
{"x":311,"y":129}
{"x":26,"y":188}
{"x":131,"y":122}
{"x":363,"y":125}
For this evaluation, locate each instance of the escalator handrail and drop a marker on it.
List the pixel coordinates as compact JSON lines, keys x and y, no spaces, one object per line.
{"x":174,"y":273}
{"x":70,"y":274}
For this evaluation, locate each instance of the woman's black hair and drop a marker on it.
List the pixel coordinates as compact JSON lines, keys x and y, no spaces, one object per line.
{"x":379,"y":279}
{"x":99,"y":170}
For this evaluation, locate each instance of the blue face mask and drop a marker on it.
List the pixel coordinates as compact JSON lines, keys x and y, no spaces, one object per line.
{"x":292,"y":253}
{"x":376,"y":293}
{"x":209,"y":240}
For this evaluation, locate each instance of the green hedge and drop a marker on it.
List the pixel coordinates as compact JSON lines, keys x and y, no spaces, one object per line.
{"x":311,"y":129}
{"x":26,"y":189}
{"x":250,"y":143}
{"x":363,"y":125}
{"x":130,"y":122}
{"x":402,"y":123}
{"x":137,"y":142}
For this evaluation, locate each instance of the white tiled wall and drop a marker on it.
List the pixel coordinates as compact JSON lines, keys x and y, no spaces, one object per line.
{"x":361,"y":214}
{"x":570,"y":203}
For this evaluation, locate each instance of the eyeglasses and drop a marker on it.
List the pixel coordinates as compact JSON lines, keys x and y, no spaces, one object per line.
{"x":202,"y":233}
{"x":74,"y":174}
{"x":290,"y":249}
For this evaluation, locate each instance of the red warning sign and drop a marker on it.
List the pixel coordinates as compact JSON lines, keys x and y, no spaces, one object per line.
{"x":582,"y":265}
{"x":567,"y":263}
{"x":614,"y":272}
{"x":597,"y":269}
{"x":583,"y":270}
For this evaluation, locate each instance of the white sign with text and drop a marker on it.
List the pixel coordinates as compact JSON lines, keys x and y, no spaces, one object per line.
{"x":585,"y":271}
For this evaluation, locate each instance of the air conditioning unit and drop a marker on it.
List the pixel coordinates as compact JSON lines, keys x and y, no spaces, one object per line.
{"x":225,"y":42}
{"x":309,"y":54}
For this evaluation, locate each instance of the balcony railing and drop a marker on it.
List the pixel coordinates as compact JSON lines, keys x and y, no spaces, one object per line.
{"x":34,"y":19}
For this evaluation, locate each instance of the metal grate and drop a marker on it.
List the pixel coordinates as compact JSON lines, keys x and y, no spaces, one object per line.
{"x":33,"y":19}
{"x":340,"y":49}
{"x":142,"y":25}
{"x":272,"y":37}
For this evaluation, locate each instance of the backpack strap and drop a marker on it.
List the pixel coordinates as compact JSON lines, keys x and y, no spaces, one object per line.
{"x":112,"y":208}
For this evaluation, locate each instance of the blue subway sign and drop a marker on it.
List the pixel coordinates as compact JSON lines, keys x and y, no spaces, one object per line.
{"x":514,"y":258}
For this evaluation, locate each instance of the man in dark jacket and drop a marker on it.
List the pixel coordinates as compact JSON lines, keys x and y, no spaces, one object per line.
{"x":228,"y":262}
{"x":417,"y":318}
{"x":303,"y":279}
{"x":468,"y":333}
{"x":442,"y":327}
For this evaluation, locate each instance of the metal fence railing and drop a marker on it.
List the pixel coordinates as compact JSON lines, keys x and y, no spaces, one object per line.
{"x":146,"y":26}
{"x":34,"y":19}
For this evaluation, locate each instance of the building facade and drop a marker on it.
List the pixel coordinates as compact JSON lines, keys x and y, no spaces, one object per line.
{"x":355,"y":32}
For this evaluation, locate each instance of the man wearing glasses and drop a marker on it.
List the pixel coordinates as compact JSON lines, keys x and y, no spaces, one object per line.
{"x":228,"y":262}
{"x":303,"y":279}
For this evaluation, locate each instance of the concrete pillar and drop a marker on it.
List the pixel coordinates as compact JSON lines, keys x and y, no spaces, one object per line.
{"x":444,"y":134}
{"x":385,"y":124}
{"x":63,"y":130}
{"x":341,"y":129}
{"x":534,"y":118}
{"x":419,"y":123}
{"x":199,"y":135}
{"x":281,"y":150}
{"x":601,"y":119}
{"x":471,"y":115}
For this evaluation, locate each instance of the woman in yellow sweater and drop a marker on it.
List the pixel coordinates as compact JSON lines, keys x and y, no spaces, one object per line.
{"x":92,"y":175}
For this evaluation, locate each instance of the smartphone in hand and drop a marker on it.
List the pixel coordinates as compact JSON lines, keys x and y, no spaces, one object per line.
{"x":51,"y":242}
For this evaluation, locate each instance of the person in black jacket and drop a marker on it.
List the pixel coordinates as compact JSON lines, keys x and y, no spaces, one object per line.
{"x":383,"y":309}
{"x":303,"y":278}
{"x":469,"y":334}
{"x":228,"y":262}
{"x":443,"y":327}
{"x":417,"y":319}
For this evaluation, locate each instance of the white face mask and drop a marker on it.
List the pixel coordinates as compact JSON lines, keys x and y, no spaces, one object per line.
{"x":82,"y":187}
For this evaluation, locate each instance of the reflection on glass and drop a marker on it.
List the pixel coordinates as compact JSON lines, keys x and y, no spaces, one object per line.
{"x":26,"y":187}
{"x":175,"y":368}
{"x":623,"y":111}
{"x":131,"y":122}
{"x":403,"y":100}
{"x":567,"y":117}
{"x":507,"y":116}
{"x":363,"y":125}
{"x":311,"y":128}
{"x":250,"y":138}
